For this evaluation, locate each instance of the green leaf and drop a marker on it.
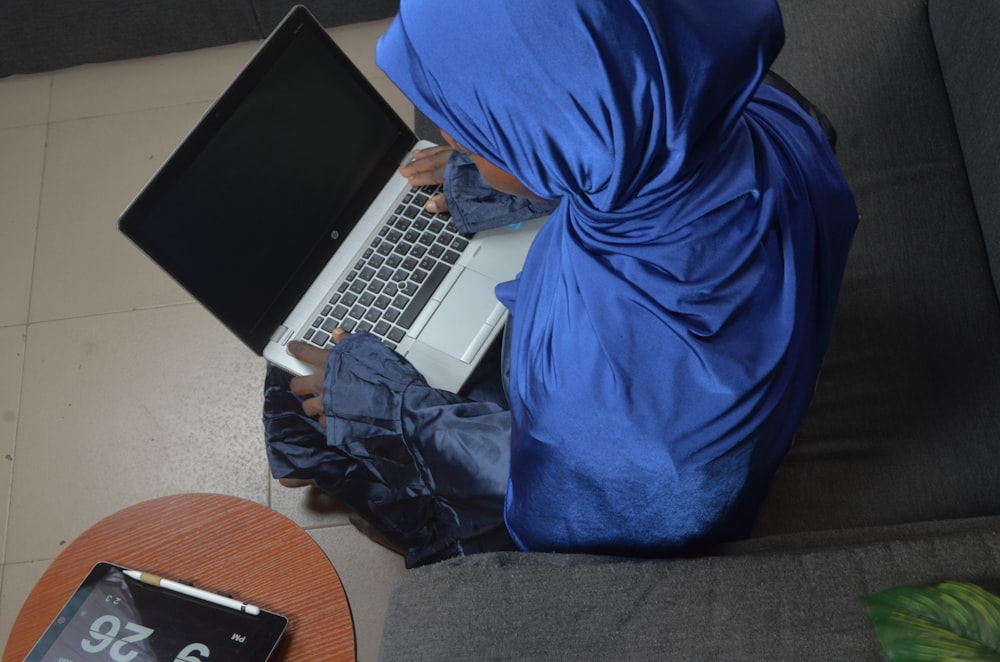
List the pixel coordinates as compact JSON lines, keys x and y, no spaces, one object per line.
{"x":951,"y":621}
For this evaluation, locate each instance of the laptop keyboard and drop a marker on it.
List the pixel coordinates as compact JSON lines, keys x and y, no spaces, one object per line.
{"x":395,"y":277}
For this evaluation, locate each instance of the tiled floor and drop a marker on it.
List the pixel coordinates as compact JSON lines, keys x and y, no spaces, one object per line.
{"x":114,"y":386}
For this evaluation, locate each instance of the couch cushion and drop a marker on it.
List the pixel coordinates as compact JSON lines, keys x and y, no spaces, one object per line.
{"x":777,"y":606}
{"x":44,"y":35}
{"x":904,"y":425}
{"x":53,"y":34}
{"x":967,"y":36}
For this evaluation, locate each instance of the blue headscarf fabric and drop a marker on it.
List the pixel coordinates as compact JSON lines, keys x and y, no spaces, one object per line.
{"x":671,"y":317}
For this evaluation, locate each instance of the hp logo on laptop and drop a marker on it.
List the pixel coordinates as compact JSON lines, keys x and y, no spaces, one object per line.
{"x":335,"y":235}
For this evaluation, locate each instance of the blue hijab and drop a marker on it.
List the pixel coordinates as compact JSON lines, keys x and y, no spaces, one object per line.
{"x":671,"y":317}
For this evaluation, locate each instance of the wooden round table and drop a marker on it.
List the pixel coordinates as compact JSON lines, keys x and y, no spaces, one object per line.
{"x":219,"y":543}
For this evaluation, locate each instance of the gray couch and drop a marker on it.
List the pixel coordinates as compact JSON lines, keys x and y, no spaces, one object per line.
{"x":44,"y":35}
{"x":895,"y":475}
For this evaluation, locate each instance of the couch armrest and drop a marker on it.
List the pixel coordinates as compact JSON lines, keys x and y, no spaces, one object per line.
{"x":754,"y":606}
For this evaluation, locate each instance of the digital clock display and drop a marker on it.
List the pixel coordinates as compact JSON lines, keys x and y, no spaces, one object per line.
{"x":113,"y":618}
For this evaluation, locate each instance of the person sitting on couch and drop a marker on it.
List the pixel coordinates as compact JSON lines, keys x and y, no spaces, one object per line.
{"x":669,"y":324}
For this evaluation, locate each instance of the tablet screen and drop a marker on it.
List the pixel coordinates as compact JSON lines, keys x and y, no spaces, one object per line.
{"x":114,"y":618}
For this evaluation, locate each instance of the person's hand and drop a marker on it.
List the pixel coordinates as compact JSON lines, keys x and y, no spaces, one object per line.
{"x":311,"y":386}
{"x":427,"y":168}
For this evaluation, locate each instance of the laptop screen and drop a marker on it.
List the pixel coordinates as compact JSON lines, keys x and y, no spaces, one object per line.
{"x":248,"y":209}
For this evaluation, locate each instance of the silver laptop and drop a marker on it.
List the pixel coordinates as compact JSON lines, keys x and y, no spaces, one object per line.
{"x":284,"y":214}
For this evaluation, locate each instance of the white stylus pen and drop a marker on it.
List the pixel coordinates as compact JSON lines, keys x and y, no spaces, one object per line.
{"x":148,"y":578}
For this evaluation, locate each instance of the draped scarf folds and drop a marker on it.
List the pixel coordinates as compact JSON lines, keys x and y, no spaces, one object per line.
{"x":671,"y":317}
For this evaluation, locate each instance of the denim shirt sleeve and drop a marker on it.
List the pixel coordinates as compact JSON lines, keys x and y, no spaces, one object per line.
{"x":476,"y":206}
{"x":428,"y":468}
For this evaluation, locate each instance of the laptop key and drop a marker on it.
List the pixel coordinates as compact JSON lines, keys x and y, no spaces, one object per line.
{"x":423,"y":295}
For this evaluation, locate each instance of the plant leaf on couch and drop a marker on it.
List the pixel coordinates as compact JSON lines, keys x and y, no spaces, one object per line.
{"x":950,"y":621}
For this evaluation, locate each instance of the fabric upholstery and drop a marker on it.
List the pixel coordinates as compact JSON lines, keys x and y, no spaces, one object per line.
{"x":903,"y":426}
{"x":44,"y":35}
{"x":768,"y":606}
{"x":967,"y":36}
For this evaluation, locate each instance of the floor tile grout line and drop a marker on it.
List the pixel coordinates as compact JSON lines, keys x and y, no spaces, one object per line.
{"x":41,"y":201}
{"x":13,"y":453}
{"x":110,"y":313}
{"x":52,"y":89}
{"x":27,"y":328}
{"x":132,"y":111}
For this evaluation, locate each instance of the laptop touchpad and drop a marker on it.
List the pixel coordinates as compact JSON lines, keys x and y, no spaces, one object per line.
{"x":457,"y":324}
